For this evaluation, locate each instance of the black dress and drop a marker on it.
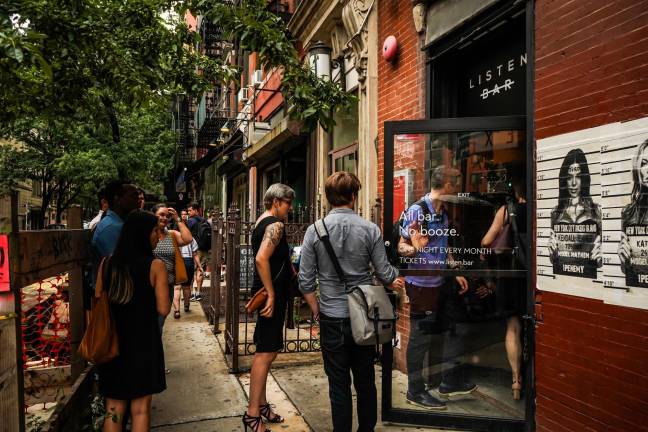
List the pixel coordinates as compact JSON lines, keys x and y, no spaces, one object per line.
{"x":138,"y":370}
{"x":268,"y":334}
{"x":511,"y":293}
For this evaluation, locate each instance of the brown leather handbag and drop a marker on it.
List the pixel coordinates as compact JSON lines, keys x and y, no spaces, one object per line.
{"x":259,"y":298}
{"x":100,"y":343}
{"x":180,"y":269}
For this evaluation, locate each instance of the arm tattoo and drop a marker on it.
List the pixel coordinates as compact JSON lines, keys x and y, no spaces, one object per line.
{"x":273,"y":233}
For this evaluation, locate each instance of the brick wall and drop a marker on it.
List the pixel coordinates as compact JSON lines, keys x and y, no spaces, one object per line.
{"x":401,"y":96}
{"x":591,"y":358}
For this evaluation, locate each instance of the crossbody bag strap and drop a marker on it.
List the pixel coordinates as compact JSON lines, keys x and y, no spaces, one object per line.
{"x":322,"y":233}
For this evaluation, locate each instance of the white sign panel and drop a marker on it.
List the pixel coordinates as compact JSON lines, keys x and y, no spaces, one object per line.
{"x":592,"y":189}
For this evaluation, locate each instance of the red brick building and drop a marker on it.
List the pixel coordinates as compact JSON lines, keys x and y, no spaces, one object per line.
{"x":490,"y":89}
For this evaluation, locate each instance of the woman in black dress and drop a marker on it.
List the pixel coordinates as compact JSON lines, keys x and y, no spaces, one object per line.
{"x":136,"y":284}
{"x":510,"y":293}
{"x":273,"y":271}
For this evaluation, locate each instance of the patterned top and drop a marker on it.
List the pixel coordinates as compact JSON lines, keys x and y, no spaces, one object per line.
{"x":166,"y":252}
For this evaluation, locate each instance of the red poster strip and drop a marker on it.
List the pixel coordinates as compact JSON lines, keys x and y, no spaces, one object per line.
{"x":4,"y":263}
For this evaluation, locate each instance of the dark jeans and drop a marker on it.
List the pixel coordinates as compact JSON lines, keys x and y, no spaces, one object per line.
{"x":426,"y":337}
{"x":341,"y":356}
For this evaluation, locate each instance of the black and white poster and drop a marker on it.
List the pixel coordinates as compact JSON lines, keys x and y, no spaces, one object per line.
{"x":575,"y":231}
{"x":569,"y":215}
{"x":593,"y":213}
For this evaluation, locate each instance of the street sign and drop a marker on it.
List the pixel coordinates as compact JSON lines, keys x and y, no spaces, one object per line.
{"x":4,"y":263}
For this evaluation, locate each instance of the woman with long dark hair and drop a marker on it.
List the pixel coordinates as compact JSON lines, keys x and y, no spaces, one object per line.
{"x":575,"y":206}
{"x":635,"y":213}
{"x":136,"y":284}
{"x":510,"y":292}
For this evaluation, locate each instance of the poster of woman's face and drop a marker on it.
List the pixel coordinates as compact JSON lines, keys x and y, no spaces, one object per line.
{"x":592,"y":213}
{"x":633,"y":245}
{"x":575,"y":234}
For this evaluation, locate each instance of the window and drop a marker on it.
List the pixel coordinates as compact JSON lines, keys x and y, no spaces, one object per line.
{"x":345,"y":159}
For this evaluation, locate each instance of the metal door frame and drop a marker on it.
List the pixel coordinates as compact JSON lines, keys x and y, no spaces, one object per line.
{"x":446,"y":420}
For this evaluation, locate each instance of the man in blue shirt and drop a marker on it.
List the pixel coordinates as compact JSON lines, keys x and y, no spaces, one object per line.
{"x":425,"y":236}
{"x":122,"y":197}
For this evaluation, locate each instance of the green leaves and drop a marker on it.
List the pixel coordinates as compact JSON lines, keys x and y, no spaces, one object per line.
{"x":257,"y":29}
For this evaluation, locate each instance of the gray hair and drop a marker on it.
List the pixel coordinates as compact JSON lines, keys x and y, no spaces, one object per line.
{"x":277,"y":191}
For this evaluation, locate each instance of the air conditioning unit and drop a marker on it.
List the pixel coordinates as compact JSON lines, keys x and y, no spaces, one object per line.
{"x":243,"y":94}
{"x":257,"y":78}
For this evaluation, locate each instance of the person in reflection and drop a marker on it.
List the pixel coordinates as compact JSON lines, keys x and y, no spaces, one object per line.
{"x":273,"y":271}
{"x":510,"y":293}
{"x":136,"y":284}
{"x":423,"y":246}
{"x":361,"y":251}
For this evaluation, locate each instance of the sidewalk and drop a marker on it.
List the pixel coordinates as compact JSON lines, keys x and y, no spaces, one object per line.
{"x":202,"y":396}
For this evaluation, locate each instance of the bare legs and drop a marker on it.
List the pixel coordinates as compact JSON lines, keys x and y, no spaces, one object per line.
{"x":514,"y":352}
{"x":258,"y":378}
{"x":176,"y":298}
{"x":186,"y":296}
{"x":140,"y":414}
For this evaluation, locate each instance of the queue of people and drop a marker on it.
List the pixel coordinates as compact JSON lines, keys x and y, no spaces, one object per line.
{"x":137,"y":255}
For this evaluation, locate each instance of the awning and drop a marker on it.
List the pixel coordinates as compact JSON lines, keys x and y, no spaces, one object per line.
{"x":267,"y":145}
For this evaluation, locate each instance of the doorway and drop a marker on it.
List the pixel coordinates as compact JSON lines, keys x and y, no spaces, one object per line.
{"x":456,"y":342}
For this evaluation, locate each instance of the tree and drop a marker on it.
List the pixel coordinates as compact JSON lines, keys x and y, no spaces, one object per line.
{"x":71,"y":160}
{"x":85,"y":85}
{"x":309,"y":98}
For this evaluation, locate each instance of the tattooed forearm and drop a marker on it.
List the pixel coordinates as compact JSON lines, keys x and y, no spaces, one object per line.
{"x":273,"y":233}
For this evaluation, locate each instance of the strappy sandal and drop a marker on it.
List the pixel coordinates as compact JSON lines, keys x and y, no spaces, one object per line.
{"x":252,"y":422}
{"x":269,"y":415}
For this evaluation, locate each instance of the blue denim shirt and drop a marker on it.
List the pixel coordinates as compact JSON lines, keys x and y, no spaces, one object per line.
{"x":104,"y":240}
{"x":359,"y":246}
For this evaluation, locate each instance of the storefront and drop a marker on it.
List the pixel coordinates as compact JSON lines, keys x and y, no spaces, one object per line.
{"x":465,"y":336}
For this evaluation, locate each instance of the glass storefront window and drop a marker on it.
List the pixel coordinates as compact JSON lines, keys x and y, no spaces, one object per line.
{"x":459,"y":235}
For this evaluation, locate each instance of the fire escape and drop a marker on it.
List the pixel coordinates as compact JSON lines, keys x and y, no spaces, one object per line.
{"x":214,"y":110}
{"x":185,"y":129}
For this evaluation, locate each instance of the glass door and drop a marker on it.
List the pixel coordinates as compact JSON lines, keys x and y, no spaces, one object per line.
{"x":456,"y":223}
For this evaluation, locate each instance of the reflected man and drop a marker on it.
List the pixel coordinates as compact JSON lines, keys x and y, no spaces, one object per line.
{"x":423,"y":246}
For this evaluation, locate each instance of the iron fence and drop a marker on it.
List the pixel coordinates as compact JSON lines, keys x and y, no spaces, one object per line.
{"x":301,"y":332}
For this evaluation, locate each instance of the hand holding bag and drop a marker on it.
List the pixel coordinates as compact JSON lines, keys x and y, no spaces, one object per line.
{"x":259,"y":298}
{"x":373,"y":317}
{"x":180,"y":269}
{"x":100,"y":344}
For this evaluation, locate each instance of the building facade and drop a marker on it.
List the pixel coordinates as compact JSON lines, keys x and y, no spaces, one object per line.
{"x":513,"y":98}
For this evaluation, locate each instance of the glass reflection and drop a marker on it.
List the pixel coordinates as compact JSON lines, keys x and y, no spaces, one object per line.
{"x":460,"y":231}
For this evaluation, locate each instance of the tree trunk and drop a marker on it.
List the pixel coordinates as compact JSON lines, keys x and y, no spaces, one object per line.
{"x":45,"y":202}
{"x":112,"y":118}
{"x":60,"y":193}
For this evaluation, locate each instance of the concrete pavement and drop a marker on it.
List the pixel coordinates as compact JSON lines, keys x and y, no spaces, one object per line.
{"x":202,"y":396}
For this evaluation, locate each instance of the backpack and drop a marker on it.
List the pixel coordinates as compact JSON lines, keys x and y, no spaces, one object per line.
{"x":391,"y":245}
{"x":201,"y":230}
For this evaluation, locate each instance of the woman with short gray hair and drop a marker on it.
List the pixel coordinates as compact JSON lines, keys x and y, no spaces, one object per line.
{"x":277,"y":191}
{"x":273,"y":272}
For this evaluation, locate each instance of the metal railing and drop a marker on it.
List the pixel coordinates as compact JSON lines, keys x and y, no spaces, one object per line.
{"x":301,"y":332}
